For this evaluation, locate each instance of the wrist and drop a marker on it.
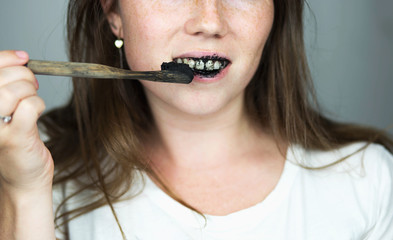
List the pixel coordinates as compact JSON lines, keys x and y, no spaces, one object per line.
{"x":26,"y":185}
{"x":18,"y":191}
{"x":26,"y":215}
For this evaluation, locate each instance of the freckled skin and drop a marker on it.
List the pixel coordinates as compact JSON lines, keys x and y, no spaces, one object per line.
{"x":157,"y":31}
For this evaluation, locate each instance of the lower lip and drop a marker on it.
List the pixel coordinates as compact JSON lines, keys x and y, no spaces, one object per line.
{"x":218,"y":77}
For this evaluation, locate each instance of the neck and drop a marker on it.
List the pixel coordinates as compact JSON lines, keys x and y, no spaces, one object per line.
{"x":206,"y":141}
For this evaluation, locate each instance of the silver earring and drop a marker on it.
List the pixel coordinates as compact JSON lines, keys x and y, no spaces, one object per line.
{"x":119,"y":44}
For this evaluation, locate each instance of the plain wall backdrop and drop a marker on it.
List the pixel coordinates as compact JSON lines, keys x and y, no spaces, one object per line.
{"x":349,"y":44}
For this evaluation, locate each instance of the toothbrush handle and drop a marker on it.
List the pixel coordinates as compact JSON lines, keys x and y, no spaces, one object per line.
{"x":92,"y":70}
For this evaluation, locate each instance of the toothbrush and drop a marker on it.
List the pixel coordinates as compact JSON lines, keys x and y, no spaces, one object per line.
{"x":170,"y":72}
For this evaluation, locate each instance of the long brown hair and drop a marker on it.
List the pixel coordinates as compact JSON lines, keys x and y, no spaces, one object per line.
{"x":97,"y":138}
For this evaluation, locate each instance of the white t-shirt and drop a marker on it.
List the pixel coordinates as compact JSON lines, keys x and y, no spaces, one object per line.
{"x":352,"y":200}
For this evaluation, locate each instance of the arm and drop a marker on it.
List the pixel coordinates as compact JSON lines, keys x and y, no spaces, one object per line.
{"x":26,"y":166}
{"x":383,"y":227}
{"x":26,"y":215}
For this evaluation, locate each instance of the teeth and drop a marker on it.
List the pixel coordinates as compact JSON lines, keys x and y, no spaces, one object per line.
{"x":202,"y":64}
{"x":209,"y":65}
{"x":217,"y":65}
{"x":191,"y":63}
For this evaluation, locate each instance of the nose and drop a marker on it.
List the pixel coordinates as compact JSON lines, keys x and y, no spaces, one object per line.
{"x":207,"y":19}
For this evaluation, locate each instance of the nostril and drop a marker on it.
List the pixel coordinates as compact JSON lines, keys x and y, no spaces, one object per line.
{"x":207,"y":22}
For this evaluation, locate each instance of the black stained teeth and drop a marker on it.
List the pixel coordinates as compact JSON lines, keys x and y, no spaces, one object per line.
{"x":209,"y":65}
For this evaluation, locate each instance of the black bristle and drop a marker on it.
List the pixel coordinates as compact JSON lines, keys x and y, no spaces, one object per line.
{"x":178,"y":67}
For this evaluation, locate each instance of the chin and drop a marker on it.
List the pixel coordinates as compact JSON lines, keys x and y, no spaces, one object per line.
{"x":199,"y":99}
{"x":200,"y":110}
{"x":207,"y":106}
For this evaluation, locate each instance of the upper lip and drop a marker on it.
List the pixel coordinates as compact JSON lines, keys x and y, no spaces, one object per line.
{"x":200,"y":54}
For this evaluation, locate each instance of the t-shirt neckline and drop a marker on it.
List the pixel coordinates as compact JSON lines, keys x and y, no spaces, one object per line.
{"x":259,"y":212}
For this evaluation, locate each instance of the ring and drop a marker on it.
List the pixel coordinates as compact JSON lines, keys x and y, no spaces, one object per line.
{"x":6,"y":119}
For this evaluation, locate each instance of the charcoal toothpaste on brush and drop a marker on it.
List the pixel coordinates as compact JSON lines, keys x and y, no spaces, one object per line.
{"x":183,"y":68}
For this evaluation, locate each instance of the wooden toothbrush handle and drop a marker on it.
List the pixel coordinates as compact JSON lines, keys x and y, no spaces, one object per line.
{"x":92,"y":70}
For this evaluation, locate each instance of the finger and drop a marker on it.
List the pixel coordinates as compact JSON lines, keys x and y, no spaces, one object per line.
{"x":13,"y":58}
{"x":12,"y":93}
{"x":14,"y":73}
{"x":24,"y":119}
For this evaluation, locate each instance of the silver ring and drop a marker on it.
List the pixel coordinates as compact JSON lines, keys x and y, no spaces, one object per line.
{"x":5,"y":119}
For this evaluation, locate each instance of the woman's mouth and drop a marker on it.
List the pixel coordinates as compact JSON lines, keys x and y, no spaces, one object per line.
{"x":204,"y":67}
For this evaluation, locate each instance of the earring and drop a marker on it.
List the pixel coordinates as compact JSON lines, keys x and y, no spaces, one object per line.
{"x":119,"y":44}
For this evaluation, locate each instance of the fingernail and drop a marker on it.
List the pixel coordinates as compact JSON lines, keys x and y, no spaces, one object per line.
{"x":37,"y":84}
{"x":22,"y":54}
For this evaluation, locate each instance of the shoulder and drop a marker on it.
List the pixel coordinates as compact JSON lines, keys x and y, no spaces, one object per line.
{"x":358,"y":165}
{"x":99,"y":222}
{"x":359,"y":188}
{"x":371,"y":157}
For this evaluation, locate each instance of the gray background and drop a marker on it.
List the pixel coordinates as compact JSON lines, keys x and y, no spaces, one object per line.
{"x":349,"y":44}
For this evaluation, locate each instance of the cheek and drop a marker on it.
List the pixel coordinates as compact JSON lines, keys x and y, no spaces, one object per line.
{"x":257,"y":21}
{"x":252,"y":26}
{"x":252,"y":29}
{"x":140,"y":41}
{"x":137,"y":49}
{"x":146,"y":32}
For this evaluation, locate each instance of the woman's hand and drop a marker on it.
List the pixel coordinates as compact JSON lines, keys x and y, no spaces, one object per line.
{"x":26,"y":166}
{"x":25,"y":163}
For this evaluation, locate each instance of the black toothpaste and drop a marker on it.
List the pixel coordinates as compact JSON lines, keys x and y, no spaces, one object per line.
{"x":178,"y":67}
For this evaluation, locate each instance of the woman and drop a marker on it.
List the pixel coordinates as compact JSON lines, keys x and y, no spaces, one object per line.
{"x":236,"y":154}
